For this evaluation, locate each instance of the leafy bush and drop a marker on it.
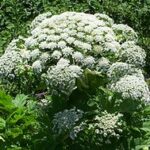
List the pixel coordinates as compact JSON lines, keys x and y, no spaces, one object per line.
{"x":18,"y":122}
{"x":92,"y":68}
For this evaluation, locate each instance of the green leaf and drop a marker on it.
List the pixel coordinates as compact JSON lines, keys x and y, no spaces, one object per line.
{"x":2,"y":123}
{"x":91,"y":81}
{"x":5,"y":102}
{"x":146,"y":124}
{"x":20,"y":100}
{"x":14,"y":132}
{"x":147,"y":110}
{"x":142,"y":147}
{"x":146,"y":129}
{"x":2,"y":139}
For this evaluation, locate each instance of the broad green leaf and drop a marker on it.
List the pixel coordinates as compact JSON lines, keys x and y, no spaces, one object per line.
{"x":142,"y":147}
{"x":2,"y":123}
{"x":20,"y":100}
{"x":14,"y":132}
{"x":5,"y":102}
{"x":146,"y":129}
{"x":146,"y":124}
{"x":147,"y":110}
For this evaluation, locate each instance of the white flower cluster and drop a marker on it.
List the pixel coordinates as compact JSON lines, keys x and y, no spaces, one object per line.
{"x":132,"y":54}
{"x":66,"y":120}
{"x":76,"y":130}
{"x":12,"y":45}
{"x":8,"y":63}
{"x":79,"y":31}
{"x":124,"y":33}
{"x":76,"y":41}
{"x":108,"y":125}
{"x":40,"y":18}
{"x":103,"y":64}
{"x":120,"y":69}
{"x":132,"y":87}
{"x":37,"y":66}
{"x":62,"y":77}
{"x":128,"y":81}
{"x":105,"y":18}
{"x":104,"y":127}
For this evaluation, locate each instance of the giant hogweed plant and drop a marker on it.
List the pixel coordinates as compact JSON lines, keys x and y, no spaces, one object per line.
{"x":92,"y":68}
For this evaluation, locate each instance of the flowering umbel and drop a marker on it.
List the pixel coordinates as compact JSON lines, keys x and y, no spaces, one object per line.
{"x":60,"y":48}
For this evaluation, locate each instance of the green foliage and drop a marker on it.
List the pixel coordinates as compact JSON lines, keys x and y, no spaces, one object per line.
{"x":18,"y":122}
{"x":14,"y":16}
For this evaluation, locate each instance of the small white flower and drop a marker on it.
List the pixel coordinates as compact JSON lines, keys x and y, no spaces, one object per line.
{"x":120,"y":69}
{"x":42,"y":37}
{"x":25,"y":54}
{"x":37,"y":67}
{"x":64,"y":36}
{"x":124,"y":32}
{"x":12,"y":45}
{"x":80,"y":35}
{"x":36,"y":32}
{"x":63,"y":62}
{"x":88,"y":29}
{"x":107,"y":125}
{"x":86,"y":46}
{"x":43,"y":45}
{"x":39,"y":19}
{"x":70,"y":40}
{"x":78,"y":57}
{"x":29,"y":42}
{"x":44,"y":57}
{"x":76,"y":70}
{"x":67,"y":51}
{"x":56,"y":54}
{"x":63,"y":121}
{"x":105,"y":18}
{"x":51,"y":45}
{"x":99,"y":38}
{"x":35,"y":54}
{"x":77,"y":43}
{"x":53,"y":38}
{"x":113,"y":47}
{"x":132,"y":54}
{"x":103,"y":64}
{"x":89,"y":38}
{"x":89,"y":61}
{"x":9,"y":62}
{"x":61,"y":44}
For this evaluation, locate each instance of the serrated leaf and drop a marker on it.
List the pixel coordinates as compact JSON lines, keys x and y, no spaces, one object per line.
{"x":5,"y":102}
{"x":2,"y":123}
{"x":20,"y":100}
{"x":15,"y":132}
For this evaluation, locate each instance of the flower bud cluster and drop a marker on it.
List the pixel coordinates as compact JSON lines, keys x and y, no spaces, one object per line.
{"x":108,"y":125}
{"x":66,"y":120}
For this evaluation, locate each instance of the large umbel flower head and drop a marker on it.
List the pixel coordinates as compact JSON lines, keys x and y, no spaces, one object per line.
{"x":82,"y":41}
